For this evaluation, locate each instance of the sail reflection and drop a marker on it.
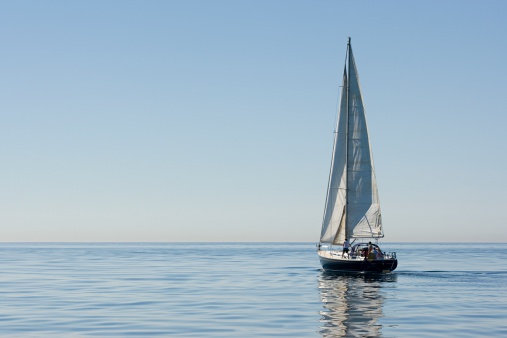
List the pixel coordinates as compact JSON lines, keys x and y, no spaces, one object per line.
{"x":352,"y":304}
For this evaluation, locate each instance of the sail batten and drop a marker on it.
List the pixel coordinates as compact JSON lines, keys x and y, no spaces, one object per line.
{"x":352,"y":206}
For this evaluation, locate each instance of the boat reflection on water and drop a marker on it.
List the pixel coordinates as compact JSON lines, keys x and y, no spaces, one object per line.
{"x":352,"y":303}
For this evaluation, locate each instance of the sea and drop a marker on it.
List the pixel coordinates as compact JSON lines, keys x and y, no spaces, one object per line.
{"x":248,"y":290}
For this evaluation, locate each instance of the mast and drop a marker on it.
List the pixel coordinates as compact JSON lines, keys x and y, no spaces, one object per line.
{"x":346,"y":214}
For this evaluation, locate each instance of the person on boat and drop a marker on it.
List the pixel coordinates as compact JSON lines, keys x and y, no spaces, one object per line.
{"x":346,"y":246}
{"x":371,"y":253}
{"x":375,"y":252}
{"x":365,"y":253}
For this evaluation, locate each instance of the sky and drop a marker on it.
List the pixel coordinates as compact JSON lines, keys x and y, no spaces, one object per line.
{"x":213,"y":120}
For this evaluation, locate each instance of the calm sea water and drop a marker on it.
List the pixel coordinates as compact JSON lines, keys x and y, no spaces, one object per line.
{"x":247,"y":290}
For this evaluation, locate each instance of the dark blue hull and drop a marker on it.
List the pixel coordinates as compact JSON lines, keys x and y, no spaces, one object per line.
{"x":353,"y":265}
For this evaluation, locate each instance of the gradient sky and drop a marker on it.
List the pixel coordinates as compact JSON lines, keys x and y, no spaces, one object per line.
{"x":213,"y":120}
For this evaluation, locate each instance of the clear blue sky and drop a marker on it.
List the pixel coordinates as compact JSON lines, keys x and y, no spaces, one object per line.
{"x":213,"y":120}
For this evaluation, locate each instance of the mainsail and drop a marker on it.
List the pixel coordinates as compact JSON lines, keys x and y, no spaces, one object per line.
{"x":352,"y":206}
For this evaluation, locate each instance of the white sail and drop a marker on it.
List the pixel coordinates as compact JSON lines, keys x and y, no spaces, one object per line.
{"x":363,"y":207}
{"x":352,"y":205}
{"x":334,"y":214}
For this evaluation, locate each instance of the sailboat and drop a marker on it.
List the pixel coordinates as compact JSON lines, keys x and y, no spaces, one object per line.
{"x":352,"y":218}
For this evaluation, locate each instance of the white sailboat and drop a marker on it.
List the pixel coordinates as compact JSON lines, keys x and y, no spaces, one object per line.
{"x":352,"y":210}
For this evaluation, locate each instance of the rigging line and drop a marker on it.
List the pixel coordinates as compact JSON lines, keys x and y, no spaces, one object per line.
{"x":339,"y":95}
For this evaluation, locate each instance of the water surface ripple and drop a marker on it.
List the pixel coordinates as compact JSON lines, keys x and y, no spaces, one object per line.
{"x":247,"y":290}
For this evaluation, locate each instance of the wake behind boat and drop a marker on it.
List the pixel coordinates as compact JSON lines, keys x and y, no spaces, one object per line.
{"x":352,"y":218}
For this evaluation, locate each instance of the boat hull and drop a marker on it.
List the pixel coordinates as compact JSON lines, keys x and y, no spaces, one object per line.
{"x":356,"y":265}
